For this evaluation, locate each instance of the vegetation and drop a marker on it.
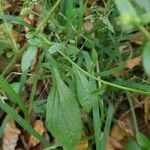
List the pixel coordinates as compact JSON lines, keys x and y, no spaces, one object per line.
{"x":75,"y":74}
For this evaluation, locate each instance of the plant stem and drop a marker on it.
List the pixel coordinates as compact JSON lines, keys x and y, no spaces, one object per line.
{"x":132,"y":111}
{"x":97,"y":125}
{"x":96,"y":116}
{"x":13,"y":61}
{"x":31,"y":99}
{"x":11,"y":37}
{"x":99,"y":85}
{"x":42,"y":25}
{"x":103,"y":81}
{"x":34,"y":86}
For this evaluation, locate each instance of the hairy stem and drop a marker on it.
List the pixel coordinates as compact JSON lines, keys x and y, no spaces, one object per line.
{"x":13,"y":61}
{"x":42,"y":25}
{"x":103,"y":81}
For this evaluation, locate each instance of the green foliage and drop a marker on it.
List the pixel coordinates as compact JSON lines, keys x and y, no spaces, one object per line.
{"x":28,"y":58}
{"x":39,"y":106}
{"x":125,"y":8}
{"x":56,"y":47}
{"x":131,"y":144}
{"x":63,"y":116}
{"x":74,"y":59}
{"x":142,"y":140}
{"x":12,"y":94}
{"x":146,"y":56}
{"x":144,"y":4}
{"x":84,"y":90}
{"x":22,"y":122}
{"x":16,"y":20}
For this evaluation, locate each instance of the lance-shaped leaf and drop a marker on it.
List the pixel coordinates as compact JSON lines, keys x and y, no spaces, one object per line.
{"x":146,"y":60}
{"x":84,"y":90}
{"x":63,"y":114}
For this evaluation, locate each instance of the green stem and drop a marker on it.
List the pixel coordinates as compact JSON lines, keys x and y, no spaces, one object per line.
{"x":103,"y":81}
{"x":99,"y":85}
{"x":133,"y":112}
{"x":42,"y":25}
{"x":96,"y":115}
{"x":97,"y":125}
{"x":11,"y":37}
{"x":31,"y":99}
{"x":34,"y":86}
{"x":13,"y":61}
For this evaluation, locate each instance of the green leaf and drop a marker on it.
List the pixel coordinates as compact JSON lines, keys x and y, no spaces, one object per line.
{"x":39,"y":106}
{"x":15,"y":86}
{"x":84,"y":91}
{"x":125,"y":7}
{"x":16,"y":20}
{"x":108,"y":124}
{"x":142,"y":140}
{"x":12,"y":114}
{"x":63,"y":114}
{"x":128,"y":15}
{"x":134,"y":85}
{"x":28,"y":58}
{"x":56,"y":47}
{"x":145,"y":18}
{"x":12,"y":94}
{"x":144,"y":4}
{"x":72,"y":50}
{"x":131,"y":144}
{"x":146,"y":58}
{"x":5,"y":45}
{"x":26,"y":11}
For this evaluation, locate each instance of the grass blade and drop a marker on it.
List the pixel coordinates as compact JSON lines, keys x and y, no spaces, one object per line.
{"x":4,"y":106}
{"x":107,"y":124}
{"x":16,"y":20}
{"x":12,"y":95}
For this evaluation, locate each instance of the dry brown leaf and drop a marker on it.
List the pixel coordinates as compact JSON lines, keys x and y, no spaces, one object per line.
{"x":124,"y":129}
{"x":91,"y":2}
{"x":88,"y":26}
{"x":121,"y":130}
{"x":117,"y":135}
{"x":18,"y":37}
{"x":147,"y":109}
{"x":10,"y":136}
{"x":134,"y":62}
{"x":83,"y":144}
{"x":39,"y":127}
{"x":29,"y":21}
{"x":138,"y":38}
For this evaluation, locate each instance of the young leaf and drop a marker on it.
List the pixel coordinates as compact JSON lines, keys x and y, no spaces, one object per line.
{"x":84,"y":91}
{"x":28,"y":58}
{"x":146,"y":58}
{"x":142,"y":140}
{"x":63,"y":114}
{"x":16,"y":20}
{"x":56,"y":47}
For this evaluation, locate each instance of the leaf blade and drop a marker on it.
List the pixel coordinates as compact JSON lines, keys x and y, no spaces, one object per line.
{"x":146,"y":58}
{"x":22,"y":122}
{"x":12,"y":94}
{"x":63,"y":114}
